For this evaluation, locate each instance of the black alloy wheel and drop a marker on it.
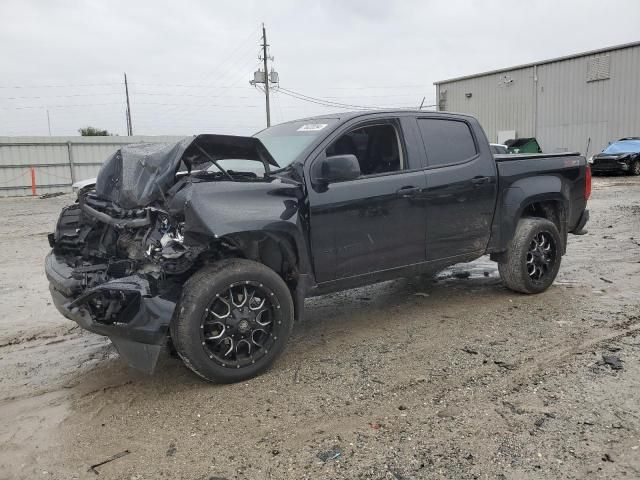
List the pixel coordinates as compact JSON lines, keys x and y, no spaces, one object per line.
{"x":532,"y":260}
{"x":541,"y":255}
{"x":239,"y":326}
{"x":233,"y":320}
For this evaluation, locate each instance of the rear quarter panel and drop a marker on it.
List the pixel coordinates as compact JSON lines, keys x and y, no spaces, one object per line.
{"x":527,"y":179}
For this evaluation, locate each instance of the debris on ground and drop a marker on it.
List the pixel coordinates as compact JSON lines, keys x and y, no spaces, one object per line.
{"x":51,"y":195}
{"x":93,"y":467}
{"x":613,"y":361}
{"x":332,"y":454}
{"x":171,"y":451}
{"x":470,"y":351}
{"x":606,"y":280}
{"x":505,"y":365}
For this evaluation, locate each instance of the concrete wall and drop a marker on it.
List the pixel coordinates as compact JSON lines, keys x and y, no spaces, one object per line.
{"x":562,"y":108}
{"x":57,"y":162}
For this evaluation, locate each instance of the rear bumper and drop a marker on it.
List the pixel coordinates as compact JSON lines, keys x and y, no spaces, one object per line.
{"x":582,"y":221}
{"x":141,"y":338}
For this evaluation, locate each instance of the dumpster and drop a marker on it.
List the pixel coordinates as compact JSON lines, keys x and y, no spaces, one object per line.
{"x":523,"y":145}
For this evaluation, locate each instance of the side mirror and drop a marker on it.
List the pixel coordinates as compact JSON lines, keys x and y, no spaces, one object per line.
{"x":337,"y":168}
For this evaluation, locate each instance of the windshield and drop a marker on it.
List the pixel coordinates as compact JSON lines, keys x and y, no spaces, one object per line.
{"x":288,"y":140}
{"x":623,"y":146}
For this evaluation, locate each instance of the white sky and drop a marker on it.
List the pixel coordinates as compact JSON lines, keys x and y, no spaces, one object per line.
{"x":69,"y":56}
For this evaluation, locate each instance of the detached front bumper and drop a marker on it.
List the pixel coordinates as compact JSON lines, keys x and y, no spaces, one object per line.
{"x":140,"y":337}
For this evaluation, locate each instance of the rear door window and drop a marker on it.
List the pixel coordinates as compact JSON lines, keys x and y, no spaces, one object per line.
{"x":446,"y":141}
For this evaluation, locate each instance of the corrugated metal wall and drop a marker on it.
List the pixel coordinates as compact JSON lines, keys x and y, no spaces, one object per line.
{"x":501,"y":101}
{"x":565,"y":110}
{"x":57,"y":162}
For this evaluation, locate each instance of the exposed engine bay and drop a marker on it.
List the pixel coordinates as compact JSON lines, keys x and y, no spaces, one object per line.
{"x":103,"y":242}
{"x":143,"y":228}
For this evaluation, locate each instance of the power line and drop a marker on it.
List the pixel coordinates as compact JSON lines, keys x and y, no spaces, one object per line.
{"x":233,"y":54}
{"x":322,"y":101}
{"x":61,"y":106}
{"x":331,"y":103}
{"x":367,"y":87}
{"x":229,"y":73}
{"x":61,"y":96}
{"x":184,"y":85}
{"x":62,"y":86}
{"x":155,"y":94}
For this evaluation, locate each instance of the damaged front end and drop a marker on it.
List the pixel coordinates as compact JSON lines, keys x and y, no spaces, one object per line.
{"x":122,"y":252}
{"x":119,"y":276}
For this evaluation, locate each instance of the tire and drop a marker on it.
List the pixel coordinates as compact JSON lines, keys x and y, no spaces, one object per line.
{"x":203,"y":329}
{"x":635,"y":167}
{"x":527,"y":252}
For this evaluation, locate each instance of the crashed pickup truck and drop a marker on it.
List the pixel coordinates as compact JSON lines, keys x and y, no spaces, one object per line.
{"x":211,"y":245}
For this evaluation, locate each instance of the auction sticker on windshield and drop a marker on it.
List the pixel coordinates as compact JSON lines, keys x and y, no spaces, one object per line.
{"x":312,"y":127}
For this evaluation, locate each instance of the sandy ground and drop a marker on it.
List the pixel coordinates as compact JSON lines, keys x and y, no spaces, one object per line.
{"x":452,"y":378}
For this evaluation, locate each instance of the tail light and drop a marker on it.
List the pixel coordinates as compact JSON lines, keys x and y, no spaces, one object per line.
{"x":587,"y":183}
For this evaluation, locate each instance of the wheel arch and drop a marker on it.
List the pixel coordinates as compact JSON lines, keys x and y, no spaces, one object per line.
{"x":544,"y":196}
{"x":283,"y":251}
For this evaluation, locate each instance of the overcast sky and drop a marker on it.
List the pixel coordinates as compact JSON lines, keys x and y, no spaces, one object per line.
{"x":189,"y":63}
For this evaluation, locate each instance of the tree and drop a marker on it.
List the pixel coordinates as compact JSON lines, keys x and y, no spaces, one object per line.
{"x":93,"y":132}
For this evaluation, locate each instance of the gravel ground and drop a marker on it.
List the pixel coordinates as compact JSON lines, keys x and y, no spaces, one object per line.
{"x":418,"y":378}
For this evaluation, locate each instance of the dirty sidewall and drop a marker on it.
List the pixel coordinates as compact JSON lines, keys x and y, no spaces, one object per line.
{"x":539,"y":226}
{"x":197,"y":295}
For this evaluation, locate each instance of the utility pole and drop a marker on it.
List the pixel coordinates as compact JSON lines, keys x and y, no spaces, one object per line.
{"x":49,"y":122}
{"x":265,"y":76}
{"x":129,"y":123}
{"x":266,"y":73}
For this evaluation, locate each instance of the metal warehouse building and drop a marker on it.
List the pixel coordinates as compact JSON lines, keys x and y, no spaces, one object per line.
{"x":575,"y":103}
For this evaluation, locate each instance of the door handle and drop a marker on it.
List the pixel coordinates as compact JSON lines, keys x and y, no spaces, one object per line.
{"x":407,"y":192}
{"x":480,"y":180}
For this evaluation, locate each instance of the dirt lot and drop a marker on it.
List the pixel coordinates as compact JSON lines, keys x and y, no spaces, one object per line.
{"x":452,"y":378}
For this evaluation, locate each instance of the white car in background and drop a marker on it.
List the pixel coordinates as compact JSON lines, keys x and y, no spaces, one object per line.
{"x":498,"y":148}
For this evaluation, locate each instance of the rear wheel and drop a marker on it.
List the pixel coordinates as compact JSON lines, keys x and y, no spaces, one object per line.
{"x":533,"y":259}
{"x":234,"y":320}
{"x":634,"y":168}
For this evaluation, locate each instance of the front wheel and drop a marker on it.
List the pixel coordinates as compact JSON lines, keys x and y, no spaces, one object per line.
{"x":234,"y":319}
{"x":533,"y":259}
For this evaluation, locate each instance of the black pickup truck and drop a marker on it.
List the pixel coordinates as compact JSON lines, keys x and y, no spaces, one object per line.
{"x":211,"y":245}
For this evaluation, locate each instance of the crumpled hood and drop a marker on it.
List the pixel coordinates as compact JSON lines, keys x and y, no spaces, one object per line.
{"x":137,"y":175}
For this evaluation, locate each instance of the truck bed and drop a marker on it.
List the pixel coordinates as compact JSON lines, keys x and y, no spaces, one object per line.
{"x":507,"y":157}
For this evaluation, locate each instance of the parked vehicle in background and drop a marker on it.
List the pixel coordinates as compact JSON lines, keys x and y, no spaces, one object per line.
{"x":523,"y":145}
{"x":498,"y":149}
{"x":620,"y":156}
{"x":186,"y":243}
